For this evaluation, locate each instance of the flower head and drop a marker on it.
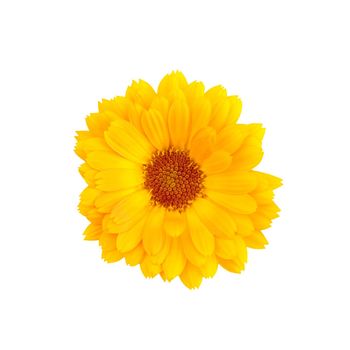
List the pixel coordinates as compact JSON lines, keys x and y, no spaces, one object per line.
{"x":170,"y":180}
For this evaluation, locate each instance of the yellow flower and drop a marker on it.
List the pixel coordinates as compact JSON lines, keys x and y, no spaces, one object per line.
{"x":170,"y":184}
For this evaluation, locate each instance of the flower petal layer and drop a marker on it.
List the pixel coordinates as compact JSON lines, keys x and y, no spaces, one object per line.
{"x":241,"y":204}
{"x":129,"y":207}
{"x":191,"y":276}
{"x":191,"y":253}
{"x":202,"y":238}
{"x":217,"y":220}
{"x":153,"y":234}
{"x":209,"y":268}
{"x":118,"y":179}
{"x":101,"y":160}
{"x":174,"y":223}
{"x":217,"y":162}
{"x":179,"y":123}
{"x":239,"y":182}
{"x":128,"y":240}
{"x":202,"y":144}
{"x":127,"y":141}
{"x":175,"y":261}
{"x":156,"y":129}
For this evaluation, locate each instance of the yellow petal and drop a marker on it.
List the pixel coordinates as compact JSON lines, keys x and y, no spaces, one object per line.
{"x":256,"y":240}
{"x":159,"y":258}
{"x":107,"y":200}
{"x":108,"y":225}
{"x":162,"y":275}
{"x":88,"y":174}
{"x":202,"y":238}
{"x":216,"y":94}
{"x":173,"y":81}
{"x":118,"y":179}
{"x":148,"y":268}
{"x":231,"y":265}
{"x":155,"y":127}
{"x":225,"y":248}
{"x":87,"y":204}
{"x":269,"y":210}
{"x":153,"y":233}
{"x":202,"y":144}
{"x":240,"y":204}
{"x":239,"y":182}
{"x":272,"y":182}
{"x":191,"y":276}
{"x":242,"y":253}
{"x":194,"y":90}
{"x":134,"y":115}
{"x":111,"y":256}
{"x":175,"y":261}
{"x":109,"y":247}
{"x":217,"y":220}
{"x":174,"y":223}
{"x":260,"y":221}
{"x":220,"y":115}
{"x":264,"y":197}
{"x":90,"y":212}
{"x":81,"y":135}
{"x":235,"y":108}
{"x":230,"y":138}
{"x":179,"y":123}
{"x":128,"y":240}
{"x":126,"y":140}
{"x":129,"y":207}
{"x":89,"y":195}
{"x":141,"y":92}
{"x":101,"y":160}
{"x":250,"y":153}
{"x":108,"y":241}
{"x":135,"y":256}
{"x":106,"y":220}
{"x":200,"y":111}
{"x":128,"y":224}
{"x":107,"y":105}
{"x":191,"y":253}
{"x":246,"y":158}
{"x":114,"y":109}
{"x":209,"y":268}
{"x":118,"y":107}
{"x":93,"y":232}
{"x":90,"y":145}
{"x":255,"y":134}
{"x":245,"y":226}
{"x":161,"y":104}
{"x":97,"y":123}
{"x":217,"y":162}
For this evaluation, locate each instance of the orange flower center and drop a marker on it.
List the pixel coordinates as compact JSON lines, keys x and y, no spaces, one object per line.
{"x":173,"y":178}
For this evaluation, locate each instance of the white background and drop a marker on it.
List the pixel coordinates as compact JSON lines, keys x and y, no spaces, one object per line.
{"x":289,"y":62}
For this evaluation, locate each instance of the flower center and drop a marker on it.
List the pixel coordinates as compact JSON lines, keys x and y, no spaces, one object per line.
{"x":174,"y":179}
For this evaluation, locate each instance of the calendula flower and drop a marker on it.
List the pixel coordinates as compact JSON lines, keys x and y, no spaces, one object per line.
{"x":170,"y":180}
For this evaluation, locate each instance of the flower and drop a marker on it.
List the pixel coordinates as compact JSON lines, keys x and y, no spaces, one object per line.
{"x":170,"y":185}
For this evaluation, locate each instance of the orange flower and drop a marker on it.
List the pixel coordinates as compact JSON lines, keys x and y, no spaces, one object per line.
{"x":170,"y":184}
